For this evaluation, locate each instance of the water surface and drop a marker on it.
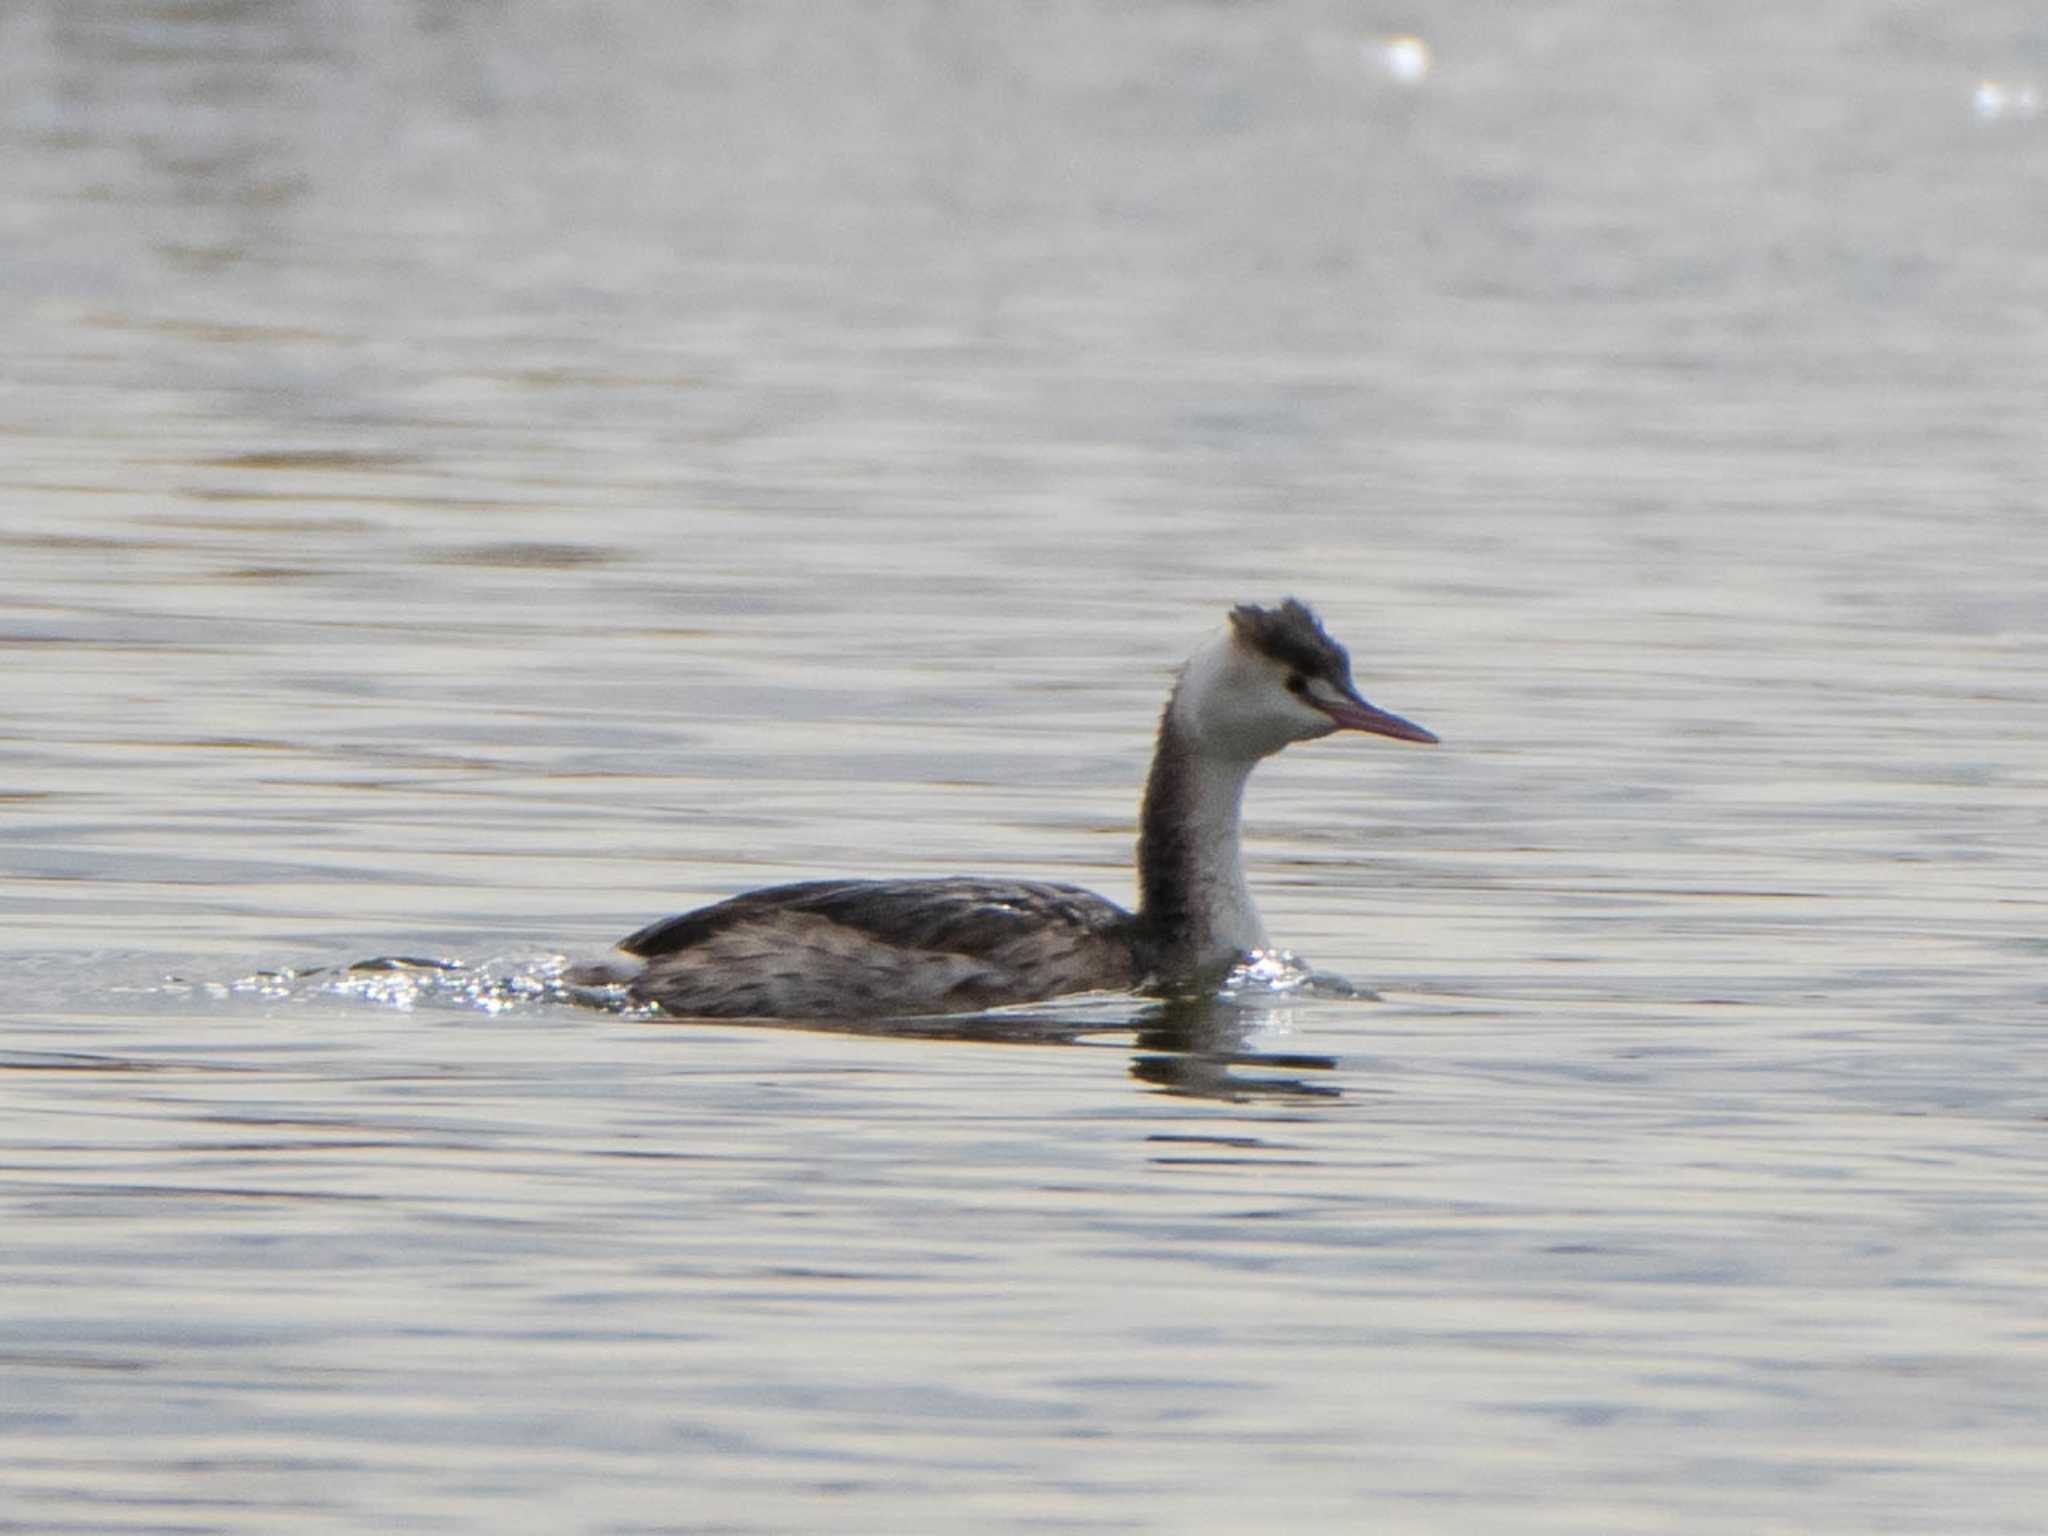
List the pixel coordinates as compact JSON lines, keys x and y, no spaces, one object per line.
{"x":480,"y":477}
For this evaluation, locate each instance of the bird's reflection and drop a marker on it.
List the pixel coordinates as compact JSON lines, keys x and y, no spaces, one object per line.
{"x":1195,"y":1046}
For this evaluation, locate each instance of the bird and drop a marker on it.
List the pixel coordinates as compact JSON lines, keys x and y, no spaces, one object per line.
{"x":874,"y":949}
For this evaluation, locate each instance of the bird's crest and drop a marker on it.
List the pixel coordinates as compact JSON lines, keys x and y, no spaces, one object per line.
{"x":1292,"y":636}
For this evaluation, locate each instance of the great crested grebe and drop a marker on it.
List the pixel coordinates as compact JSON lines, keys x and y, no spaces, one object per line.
{"x":876,"y":948}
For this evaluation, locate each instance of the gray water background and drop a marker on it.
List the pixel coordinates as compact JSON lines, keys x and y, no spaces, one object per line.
{"x":478,"y":476}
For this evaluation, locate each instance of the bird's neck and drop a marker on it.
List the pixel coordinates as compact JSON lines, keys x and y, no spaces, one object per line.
{"x":1195,"y":907}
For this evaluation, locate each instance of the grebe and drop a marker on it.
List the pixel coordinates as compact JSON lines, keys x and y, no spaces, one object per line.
{"x":878,"y":948}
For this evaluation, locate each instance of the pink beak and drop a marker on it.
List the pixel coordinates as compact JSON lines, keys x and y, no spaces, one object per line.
{"x":1354,"y":714}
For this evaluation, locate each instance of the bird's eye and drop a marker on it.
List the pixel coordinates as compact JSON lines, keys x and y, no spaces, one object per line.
{"x":1297,"y":684}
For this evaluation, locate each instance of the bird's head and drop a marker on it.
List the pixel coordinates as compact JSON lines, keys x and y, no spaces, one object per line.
{"x":1272,"y":678}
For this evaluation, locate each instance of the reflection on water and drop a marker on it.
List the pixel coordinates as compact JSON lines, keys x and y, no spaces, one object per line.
{"x":477,"y":475}
{"x":1202,"y":1047}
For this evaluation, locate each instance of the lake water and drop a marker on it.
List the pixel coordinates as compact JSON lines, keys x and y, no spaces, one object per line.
{"x":481,"y":476}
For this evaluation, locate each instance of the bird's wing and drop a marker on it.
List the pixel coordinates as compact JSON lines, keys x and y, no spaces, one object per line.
{"x":965,"y":916}
{"x":883,"y":946}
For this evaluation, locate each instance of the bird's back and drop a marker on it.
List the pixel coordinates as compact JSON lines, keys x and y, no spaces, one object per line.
{"x":876,"y":948}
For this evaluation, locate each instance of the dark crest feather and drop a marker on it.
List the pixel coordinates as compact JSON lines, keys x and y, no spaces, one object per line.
{"x":1292,"y":636}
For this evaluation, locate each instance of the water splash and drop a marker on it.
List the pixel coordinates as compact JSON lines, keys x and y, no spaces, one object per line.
{"x":1282,"y":974}
{"x":500,"y":985}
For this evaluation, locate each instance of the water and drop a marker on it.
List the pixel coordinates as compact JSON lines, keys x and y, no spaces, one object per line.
{"x":478,"y":477}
